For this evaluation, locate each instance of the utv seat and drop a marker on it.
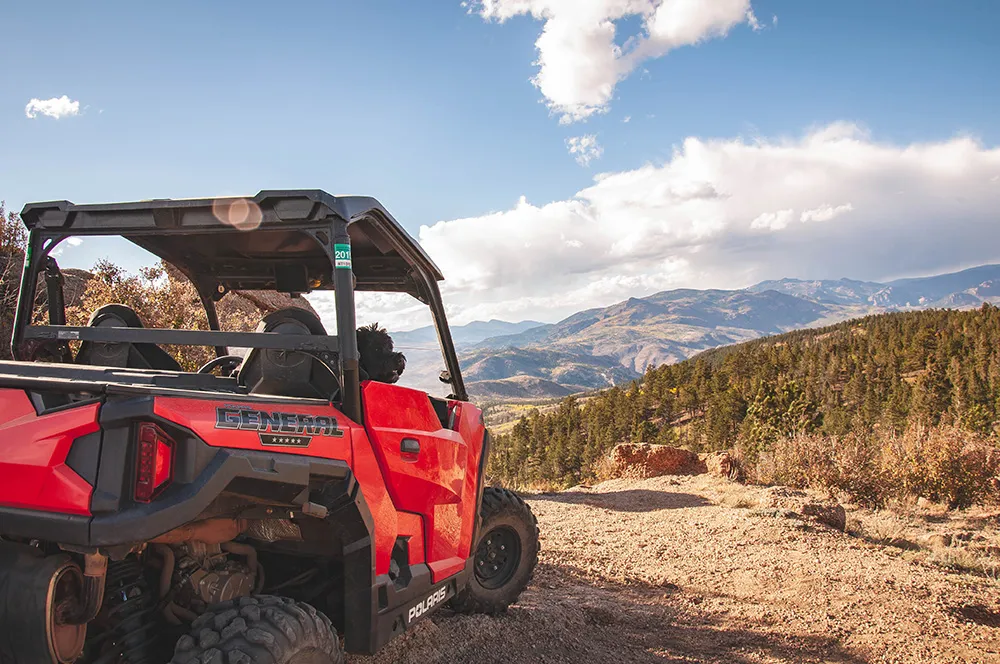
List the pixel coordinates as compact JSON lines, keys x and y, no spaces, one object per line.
{"x":289,"y":373}
{"x":122,"y":355}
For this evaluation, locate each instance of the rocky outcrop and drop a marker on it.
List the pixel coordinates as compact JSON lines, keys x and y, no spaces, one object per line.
{"x":641,"y":460}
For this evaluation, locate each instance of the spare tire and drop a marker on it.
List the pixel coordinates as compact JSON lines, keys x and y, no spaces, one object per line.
{"x":260,"y":630}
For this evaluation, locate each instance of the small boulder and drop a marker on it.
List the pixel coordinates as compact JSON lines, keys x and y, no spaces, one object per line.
{"x":783,"y":497}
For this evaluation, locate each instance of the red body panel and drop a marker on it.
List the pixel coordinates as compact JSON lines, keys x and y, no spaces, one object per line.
{"x":436,"y":482}
{"x":200,"y":416}
{"x":389,"y":522}
{"x":33,"y":451}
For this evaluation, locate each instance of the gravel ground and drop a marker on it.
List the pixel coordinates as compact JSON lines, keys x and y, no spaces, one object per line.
{"x":660,"y":570}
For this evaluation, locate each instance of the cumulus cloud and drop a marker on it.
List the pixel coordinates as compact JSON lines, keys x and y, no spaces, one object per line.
{"x":56,"y":107}
{"x":584,"y":148}
{"x":723,"y":213}
{"x":772,"y":221}
{"x":580,"y":61}
{"x":71,"y":242}
{"x":825,"y":212}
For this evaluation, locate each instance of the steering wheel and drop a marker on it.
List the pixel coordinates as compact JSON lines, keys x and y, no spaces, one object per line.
{"x":228,"y":363}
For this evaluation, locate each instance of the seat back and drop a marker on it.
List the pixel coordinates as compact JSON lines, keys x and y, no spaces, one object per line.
{"x":289,"y":373}
{"x":122,"y":355}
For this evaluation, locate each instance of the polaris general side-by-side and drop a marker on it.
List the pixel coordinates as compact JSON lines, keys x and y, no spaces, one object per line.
{"x":284,"y":506}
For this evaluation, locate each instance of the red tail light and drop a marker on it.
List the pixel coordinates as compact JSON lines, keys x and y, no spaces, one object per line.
{"x":154,"y":468}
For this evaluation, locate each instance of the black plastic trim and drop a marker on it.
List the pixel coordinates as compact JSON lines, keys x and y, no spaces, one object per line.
{"x":49,"y":526}
{"x":393,"y":621}
{"x":85,"y":455}
{"x":38,"y":400}
{"x":480,"y":487}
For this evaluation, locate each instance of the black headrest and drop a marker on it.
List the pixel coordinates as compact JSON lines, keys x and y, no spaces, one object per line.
{"x":289,"y":373}
{"x":122,"y":355}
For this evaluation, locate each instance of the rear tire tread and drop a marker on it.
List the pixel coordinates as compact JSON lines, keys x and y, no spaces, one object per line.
{"x":258,"y":630}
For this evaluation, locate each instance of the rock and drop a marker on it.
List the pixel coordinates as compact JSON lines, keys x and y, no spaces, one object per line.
{"x":830,"y":514}
{"x":722,"y":464}
{"x":641,"y":460}
{"x":270,"y":301}
{"x":783,"y":497}
{"x":939,"y":541}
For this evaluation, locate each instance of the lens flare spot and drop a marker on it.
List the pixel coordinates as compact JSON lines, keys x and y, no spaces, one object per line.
{"x":238,"y":212}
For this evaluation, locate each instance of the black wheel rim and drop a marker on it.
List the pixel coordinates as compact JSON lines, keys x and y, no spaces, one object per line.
{"x":497,"y":557}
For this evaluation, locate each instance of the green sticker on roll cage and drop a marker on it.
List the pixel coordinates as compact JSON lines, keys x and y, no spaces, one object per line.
{"x":342,"y":256}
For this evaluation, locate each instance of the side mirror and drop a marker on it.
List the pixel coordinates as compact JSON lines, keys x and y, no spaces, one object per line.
{"x":445,"y":377}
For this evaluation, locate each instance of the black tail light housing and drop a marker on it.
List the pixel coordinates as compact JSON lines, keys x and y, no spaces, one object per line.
{"x":154,"y":467}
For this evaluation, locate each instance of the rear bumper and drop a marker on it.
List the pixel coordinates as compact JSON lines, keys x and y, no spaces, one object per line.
{"x":275,"y":473}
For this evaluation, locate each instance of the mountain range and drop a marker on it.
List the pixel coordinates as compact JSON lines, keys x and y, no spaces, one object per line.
{"x":601,"y":347}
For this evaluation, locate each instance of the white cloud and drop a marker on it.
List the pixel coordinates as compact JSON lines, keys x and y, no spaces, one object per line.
{"x":56,"y":107}
{"x":773,"y":221}
{"x":690,"y":222}
{"x":579,"y":59}
{"x":628,"y":118}
{"x":71,"y":242}
{"x":825,"y":213}
{"x":584,"y":148}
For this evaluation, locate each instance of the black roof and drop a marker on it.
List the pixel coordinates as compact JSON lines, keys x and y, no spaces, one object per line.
{"x":277,"y":245}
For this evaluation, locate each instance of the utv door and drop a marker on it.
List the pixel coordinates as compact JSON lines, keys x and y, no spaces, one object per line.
{"x":427,"y":469}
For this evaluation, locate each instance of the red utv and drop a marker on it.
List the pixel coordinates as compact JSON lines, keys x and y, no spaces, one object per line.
{"x":276,"y":508}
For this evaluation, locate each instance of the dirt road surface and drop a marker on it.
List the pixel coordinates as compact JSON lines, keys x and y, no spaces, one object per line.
{"x":658,"y":570}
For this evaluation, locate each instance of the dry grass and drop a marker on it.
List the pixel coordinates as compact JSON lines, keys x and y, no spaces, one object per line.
{"x":874,"y":468}
{"x":965,"y":561}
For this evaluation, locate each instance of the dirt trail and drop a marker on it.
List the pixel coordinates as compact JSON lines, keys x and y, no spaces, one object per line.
{"x":657,"y":571}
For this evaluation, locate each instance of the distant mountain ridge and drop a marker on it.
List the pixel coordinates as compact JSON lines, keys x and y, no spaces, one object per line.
{"x":470,"y":333}
{"x":599,"y":347}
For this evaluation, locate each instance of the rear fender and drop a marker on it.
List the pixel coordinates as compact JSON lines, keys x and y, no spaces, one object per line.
{"x":36,"y":471}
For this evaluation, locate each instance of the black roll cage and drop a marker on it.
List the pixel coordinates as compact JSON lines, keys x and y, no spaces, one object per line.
{"x":273,"y":255}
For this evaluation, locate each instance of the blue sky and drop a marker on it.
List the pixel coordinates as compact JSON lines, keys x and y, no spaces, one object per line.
{"x":429,"y":106}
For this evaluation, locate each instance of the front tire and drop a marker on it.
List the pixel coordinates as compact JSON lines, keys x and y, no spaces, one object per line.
{"x":260,"y":630}
{"x":504,"y":557}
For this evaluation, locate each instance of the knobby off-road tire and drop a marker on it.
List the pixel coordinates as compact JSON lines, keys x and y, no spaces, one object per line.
{"x":505,"y":555}
{"x":260,"y":630}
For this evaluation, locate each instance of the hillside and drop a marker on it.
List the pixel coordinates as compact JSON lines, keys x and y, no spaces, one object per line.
{"x":548,"y":371}
{"x":674,"y":325}
{"x":881,"y":373}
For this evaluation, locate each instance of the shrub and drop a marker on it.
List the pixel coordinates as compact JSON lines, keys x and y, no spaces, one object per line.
{"x":944,"y":464}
